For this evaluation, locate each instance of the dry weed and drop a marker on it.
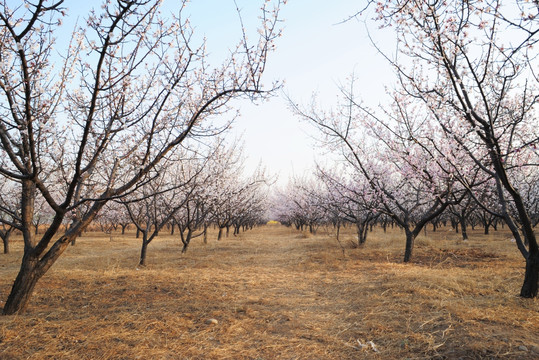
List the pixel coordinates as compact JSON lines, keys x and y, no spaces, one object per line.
{"x":277,"y":294}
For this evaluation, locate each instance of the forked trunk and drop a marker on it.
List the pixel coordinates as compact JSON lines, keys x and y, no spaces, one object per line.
{"x":362,"y":229}
{"x":186,"y":240}
{"x":32,"y":269}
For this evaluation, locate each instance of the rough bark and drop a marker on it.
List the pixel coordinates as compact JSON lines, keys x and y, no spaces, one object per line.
{"x":531,"y":277}
{"x":410,"y":238}
{"x":143,"y":249}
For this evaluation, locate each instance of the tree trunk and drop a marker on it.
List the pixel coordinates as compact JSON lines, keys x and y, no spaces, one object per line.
{"x":220,"y":234}
{"x":463,"y":229}
{"x":32,"y":269}
{"x":23,"y":287}
{"x":362,"y":229}
{"x":143,"y":249}
{"x":5,"y":240}
{"x":410,"y":237}
{"x":531,"y":276}
{"x":186,"y":241}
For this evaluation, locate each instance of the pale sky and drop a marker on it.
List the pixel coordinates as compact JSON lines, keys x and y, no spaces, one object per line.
{"x":316,"y":53}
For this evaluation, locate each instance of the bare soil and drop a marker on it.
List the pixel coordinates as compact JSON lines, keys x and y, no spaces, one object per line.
{"x":275,"y":293}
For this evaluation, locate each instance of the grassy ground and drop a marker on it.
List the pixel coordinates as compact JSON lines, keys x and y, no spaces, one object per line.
{"x":275,"y":293}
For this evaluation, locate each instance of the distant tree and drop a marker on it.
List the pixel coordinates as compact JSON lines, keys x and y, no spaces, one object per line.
{"x":352,"y":199}
{"x":156,"y":202}
{"x":462,"y":213}
{"x":9,"y":211}
{"x":110,"y":217}
{"x":391,"y":151}
{"x":231,"y":196}
{"x":301,"y":204}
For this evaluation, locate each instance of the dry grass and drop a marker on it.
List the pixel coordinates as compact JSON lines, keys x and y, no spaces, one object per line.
{"x":277,"y":294}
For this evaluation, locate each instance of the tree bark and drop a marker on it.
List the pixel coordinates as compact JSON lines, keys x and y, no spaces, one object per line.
{"x":5,"y":234}
{"x":463,"y":229}
{"x":531,"y":276}
{"x":23,"y":286}
{"x":410,"y":237}
{"x":143,"y":251}
{"x":186,"y":240}
{"x":220,"y":234}
{"x":5,"y":240}
{"x":32,"y":269}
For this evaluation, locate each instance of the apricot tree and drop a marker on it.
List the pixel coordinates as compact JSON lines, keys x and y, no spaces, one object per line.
{"x":92,"y":123}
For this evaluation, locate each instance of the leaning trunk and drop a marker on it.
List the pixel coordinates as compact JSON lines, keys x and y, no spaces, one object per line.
{"x":32,"y":269}
{"x":23,"y":287}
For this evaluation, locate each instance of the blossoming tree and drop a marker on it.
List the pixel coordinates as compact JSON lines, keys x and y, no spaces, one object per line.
{"x":130,"y":87}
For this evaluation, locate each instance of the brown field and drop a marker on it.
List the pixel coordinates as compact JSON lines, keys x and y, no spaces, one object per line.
{"x":277,"y":294}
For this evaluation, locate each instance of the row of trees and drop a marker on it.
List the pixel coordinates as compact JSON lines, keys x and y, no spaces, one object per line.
{"x":101,"y":120}
{"x":459,"y":130}
{"x":336,"y":201}
{"x":188,"y":196}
